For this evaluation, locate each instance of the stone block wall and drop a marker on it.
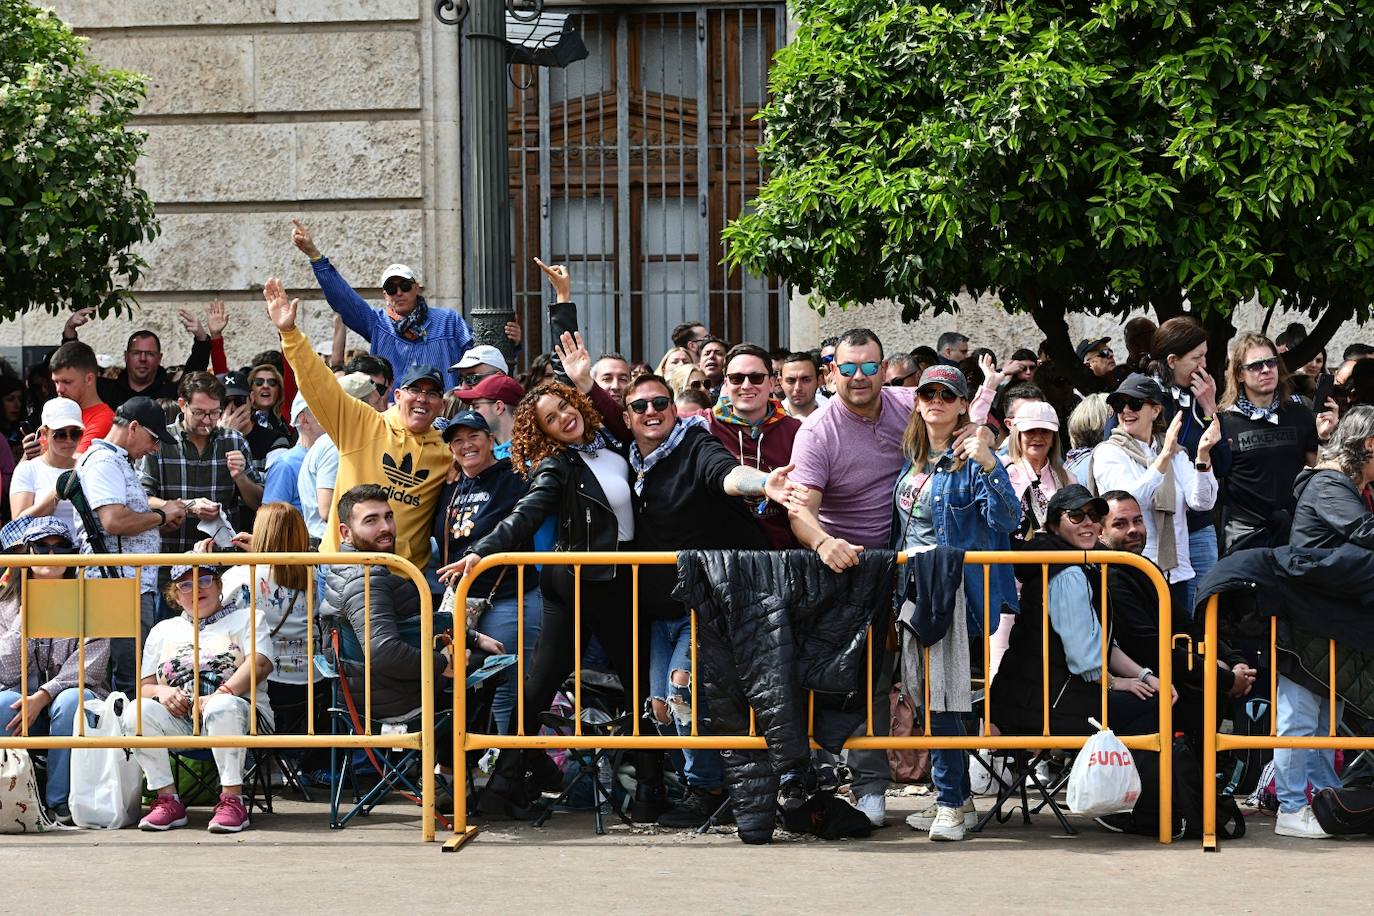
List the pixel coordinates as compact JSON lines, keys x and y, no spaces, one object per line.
{"x":343,"y":113}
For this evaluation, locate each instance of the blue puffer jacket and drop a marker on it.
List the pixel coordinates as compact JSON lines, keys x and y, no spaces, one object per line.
{"x":447,"y":335}
{"x":977,"y":510}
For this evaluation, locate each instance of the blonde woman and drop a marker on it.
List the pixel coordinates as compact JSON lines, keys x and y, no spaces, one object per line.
{"x":677,"y":356}
{"x":687,"y":378}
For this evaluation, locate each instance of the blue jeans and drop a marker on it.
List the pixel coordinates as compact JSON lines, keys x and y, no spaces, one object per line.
{"x":949,"y":769}
{"x":1202,"y":554}
{"x":1302,"y":712}
{"x":500,"y":623}
{"x":58,"y":719}
{"x":123,"y":677}
{"x":670,"y":650}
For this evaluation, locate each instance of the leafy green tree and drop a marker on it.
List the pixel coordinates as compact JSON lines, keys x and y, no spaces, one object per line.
{"x":70,"y":206}
{"x":1099,"y":158}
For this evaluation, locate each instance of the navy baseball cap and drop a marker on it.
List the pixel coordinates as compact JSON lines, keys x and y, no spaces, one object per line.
{"x":418,"y":373}
{"x":148,"y":415}
{"x":466,"y":419}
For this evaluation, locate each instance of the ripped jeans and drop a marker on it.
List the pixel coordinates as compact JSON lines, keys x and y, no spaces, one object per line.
{"x":670,"y":652}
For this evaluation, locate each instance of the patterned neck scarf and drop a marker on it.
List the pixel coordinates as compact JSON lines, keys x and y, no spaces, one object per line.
{"x":1268,"y":414}
{"x":206,"y":621}
{"x":601,"y":440}
{"x":644,"y":464}
{"x":410,"y":327}
{"x":724,"y":412}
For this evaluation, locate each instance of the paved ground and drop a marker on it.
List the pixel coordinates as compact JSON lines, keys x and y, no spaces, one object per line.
{"x":292,"y":863}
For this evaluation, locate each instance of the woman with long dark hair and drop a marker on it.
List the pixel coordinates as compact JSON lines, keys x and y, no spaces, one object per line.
{"x":578,"y":474}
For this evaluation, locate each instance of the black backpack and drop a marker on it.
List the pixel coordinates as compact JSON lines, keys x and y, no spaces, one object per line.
{"x":1343,"y":812}
{"x":1188,"y":789}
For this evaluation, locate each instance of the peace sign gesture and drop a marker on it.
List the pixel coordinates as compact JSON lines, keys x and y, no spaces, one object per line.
{"x":559,"y":279}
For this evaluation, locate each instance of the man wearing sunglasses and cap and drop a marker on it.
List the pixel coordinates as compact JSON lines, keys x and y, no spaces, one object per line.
{"x":407,"y":330}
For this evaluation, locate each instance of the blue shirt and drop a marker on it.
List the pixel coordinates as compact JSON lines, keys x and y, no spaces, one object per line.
{"x":1072,"y":616}
{"x":446,"y":338}
{"x":319,"y":470}
{"x":283,"y":484}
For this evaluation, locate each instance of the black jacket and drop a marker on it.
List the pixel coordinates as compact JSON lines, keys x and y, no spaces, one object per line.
{"x":563,"y":486}
{"x":395,"y":662}
{"x":771,"y":625}
{"x":469,"y":508}
{"x":1330,"y":511}
{"x":115,"y":391}
{"x":1318,"y":595}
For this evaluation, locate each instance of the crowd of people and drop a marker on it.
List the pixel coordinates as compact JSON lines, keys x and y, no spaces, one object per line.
{"x":432,"y":447}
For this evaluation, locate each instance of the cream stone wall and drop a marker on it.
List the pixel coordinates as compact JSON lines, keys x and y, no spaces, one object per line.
{"x":341,"y":112}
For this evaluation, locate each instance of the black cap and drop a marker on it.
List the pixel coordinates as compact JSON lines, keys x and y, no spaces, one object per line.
{"x":467,"y":419}
{"x":148,"y":415}
{"x":1074,"y":496}
{"x":1136,"y":385}
{"x":235,"y":384}
{"x":1025,"y":356}
{"x":417,"y":372}
{"x":1087,"y":346}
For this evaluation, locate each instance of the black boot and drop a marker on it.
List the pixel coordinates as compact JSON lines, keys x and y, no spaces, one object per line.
{"x":504,"y":795}
{"x":651,"y":799}
{"x":697,"y":808}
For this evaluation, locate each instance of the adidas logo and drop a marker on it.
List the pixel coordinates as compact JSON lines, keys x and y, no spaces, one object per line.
{"x":403,"y":475}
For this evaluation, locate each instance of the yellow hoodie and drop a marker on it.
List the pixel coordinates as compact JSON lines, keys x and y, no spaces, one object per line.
{"x":373,"y":448}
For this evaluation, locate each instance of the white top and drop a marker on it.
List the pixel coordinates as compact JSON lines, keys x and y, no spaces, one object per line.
{"x":108,"y":478}
{"x":169,"y":652}
{"x":36,"y":476}
{"x":286,"y":608}
{"x":1113,"y":469}
{"x":613,"y":473}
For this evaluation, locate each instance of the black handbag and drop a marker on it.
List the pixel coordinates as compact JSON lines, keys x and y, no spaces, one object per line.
{"x":1343,"y":812}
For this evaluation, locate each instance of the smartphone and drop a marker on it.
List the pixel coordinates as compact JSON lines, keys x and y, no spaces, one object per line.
{"x":1325,"y":385}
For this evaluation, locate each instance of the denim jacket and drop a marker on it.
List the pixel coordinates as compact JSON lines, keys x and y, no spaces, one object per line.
{"x":976,"y":510}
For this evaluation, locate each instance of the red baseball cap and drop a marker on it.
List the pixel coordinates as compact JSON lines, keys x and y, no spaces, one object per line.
{"x":496,"y":387}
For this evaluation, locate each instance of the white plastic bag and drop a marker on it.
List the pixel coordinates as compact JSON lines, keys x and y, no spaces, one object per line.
{"x":1104,"y":779}
{"x":107,"y":782}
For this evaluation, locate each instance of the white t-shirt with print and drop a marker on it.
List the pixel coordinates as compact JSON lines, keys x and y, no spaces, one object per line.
{"x":284,"y":609}
{"x":38,"y":477}
{"x":169,"y":652}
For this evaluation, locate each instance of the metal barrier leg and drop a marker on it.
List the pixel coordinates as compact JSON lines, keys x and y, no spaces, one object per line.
{"x":1209,"y":729}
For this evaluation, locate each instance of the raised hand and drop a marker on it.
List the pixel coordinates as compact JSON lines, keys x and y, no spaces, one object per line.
{"x":192,"y":323}
{"x":514,"y":333}
{"x":300,"y":237}
{"x":1210,"y":437}
{"x":76,"y":320}
{"x":216,"y":317}
{"x":992,"y":376}
{"x":281,"y":310}
{"x":1204,"y":388}
{"x":577,"y":361}
{"x":1170,"y":447}
{"x":559,"y":279}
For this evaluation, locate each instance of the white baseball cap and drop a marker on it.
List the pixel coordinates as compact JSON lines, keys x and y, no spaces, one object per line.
{"x":298,"y":406}
{"x":398,"y":270}
{"x":482,"y":355}
{"x":60,"y":412}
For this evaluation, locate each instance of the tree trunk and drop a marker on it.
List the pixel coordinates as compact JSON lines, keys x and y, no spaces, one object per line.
{"x":1335,"y":315}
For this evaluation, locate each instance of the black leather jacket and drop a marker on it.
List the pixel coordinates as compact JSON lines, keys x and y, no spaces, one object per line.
{"x":562,"y":485}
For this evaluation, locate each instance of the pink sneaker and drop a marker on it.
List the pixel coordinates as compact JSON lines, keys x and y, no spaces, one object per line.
{"x":167,"y":812}
{"x":230,"y":815}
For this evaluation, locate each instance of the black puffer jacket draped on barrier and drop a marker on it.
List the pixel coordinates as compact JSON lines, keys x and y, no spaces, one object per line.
{"x":1317,"y":594}
{"x":772,"y":625}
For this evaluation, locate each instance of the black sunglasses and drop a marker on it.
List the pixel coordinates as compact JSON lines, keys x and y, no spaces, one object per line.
{"x":659,"y":403}
{"x":392,"y":287}
{"x":755,"y":378}
{"x":1076,"y":516}
{"x":901,"y":379}
{"x":470,"y":380}
{"x":1135,"y":404}
{"x":944,"y":394}
{"x":1260,"y":365}
{"x":52,"y":548}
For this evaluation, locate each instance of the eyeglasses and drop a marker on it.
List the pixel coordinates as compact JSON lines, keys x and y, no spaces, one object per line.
{"x":901,"y":379}
{"x":659,"y":404}
{"x":204,"y":581}
{"x":198,"y":414}
{"x":869,"y":368}
{"x":755,"y":378}
{"x":270,"y":382}
{"x":65,"y":435}
{"x":1262,"y":365}
{"x":1076,"y":516}
{"x":392,"y":287}
{"x":929,"y":395}
{"x":424,"y":392}
{"x":52,"y":548}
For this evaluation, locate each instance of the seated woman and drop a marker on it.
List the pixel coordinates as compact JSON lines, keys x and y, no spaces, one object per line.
{"x":51,"y":684}
{"x":1073,"y":521}
{"x":227,"y":664}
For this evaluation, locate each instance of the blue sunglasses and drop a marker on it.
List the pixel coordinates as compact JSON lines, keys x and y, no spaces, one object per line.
{"x":869,"y":368}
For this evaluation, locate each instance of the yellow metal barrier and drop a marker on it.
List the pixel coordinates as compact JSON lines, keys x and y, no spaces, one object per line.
{"x":464,"y":741}
{"x":1214,"y":742}
{"x":87,"y":608}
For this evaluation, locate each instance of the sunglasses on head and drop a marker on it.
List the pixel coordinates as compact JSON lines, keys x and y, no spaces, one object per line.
{"x":869,"y":368}
{"x":52,"y":548}
{"x":1261,"y":365}
{"x":659,"y":404}
{"x":755,"y":378}
{"x":944,"y":394}
{"x":1076,"y":516}
{"x":67,"y":434}
{"x":205,"y":581}
{"x":392,"y":287}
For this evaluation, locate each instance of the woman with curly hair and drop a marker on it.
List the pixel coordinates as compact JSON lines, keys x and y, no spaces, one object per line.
{"x":578,"y":474}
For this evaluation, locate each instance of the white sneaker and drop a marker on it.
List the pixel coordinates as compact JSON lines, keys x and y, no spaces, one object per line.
{"x":1301,"y":823}
{"x":874,"y":807}
{"x":948,"y":826}
{"x":922,"y":820}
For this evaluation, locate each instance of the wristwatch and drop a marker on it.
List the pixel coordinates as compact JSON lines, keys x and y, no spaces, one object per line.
{"x":1144,"y":673}
{"x":1203,"y":465}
